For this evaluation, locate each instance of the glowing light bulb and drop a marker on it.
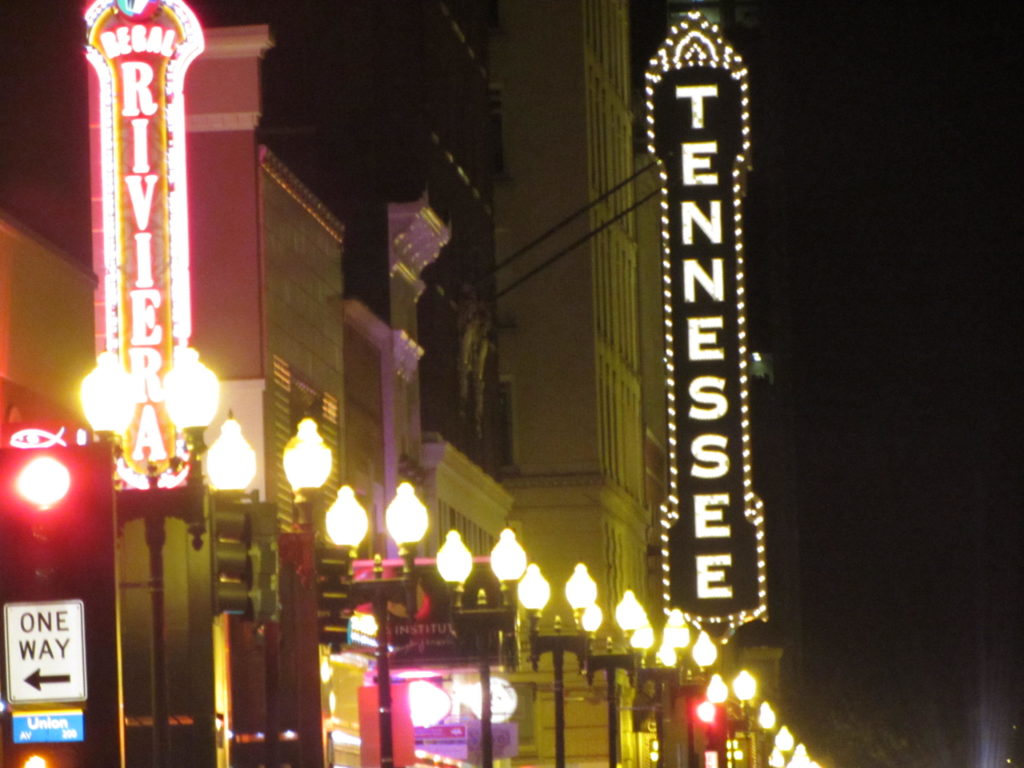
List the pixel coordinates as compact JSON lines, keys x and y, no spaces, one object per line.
{"x":43,"y":481}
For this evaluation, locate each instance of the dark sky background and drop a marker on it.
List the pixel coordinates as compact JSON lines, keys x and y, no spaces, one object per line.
{"x":898,"y":152}
{"x":888,"y":167}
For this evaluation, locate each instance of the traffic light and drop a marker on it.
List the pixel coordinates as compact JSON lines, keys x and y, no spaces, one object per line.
{"x":709,"y":726}
{"x":57,"y":521}
{"x":332,"y":578}
{"x":243,"y":548}
{"x":263,"y":554}
{"x":58,"y":589}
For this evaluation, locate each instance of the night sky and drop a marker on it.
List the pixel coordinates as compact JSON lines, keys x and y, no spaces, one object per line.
{"x":890,"y":187}
{"x":902,"y":232}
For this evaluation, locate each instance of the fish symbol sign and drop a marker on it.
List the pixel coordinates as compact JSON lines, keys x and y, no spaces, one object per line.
{"x":33,"y":437}
{"x":45,"y":651}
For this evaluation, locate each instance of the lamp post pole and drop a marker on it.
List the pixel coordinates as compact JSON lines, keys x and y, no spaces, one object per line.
{"x":483,"y":622}
{"x":557,"y":644}
{"x":744,"y":688}
{"x":380,"y":609}
{"x":155,"y":538}
{"x":191,"y":395}
{"x":613,"y":718}
{"x":486,"y":731}
{"x":610,"y":663}
{"x":379,"y":591}
{"x":558,"y":654}
{"x":581,"y":592}
{"x":154,"y":507}
{"x":632,"y":619}
{"x":666,"y":681}
{"x":345,"y":525}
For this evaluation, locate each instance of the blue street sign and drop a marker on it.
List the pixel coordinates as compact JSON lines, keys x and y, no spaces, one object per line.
{"x":40,"y":727}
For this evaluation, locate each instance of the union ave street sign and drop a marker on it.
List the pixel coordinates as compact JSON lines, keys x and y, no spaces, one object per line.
{"x":45,"y":651}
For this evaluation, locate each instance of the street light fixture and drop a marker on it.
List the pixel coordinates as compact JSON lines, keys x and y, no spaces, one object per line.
{"x":784,"y":739}
{"x":744,"y":687}
{"x":675,"y":636}
{"x":629,"y":614}
{"x":717,"y":691}
{"x":346,"y":522}
{"x":346,"y":526}
{"x":800,"y":758}
{"x":454,"y":560}
{"x":580,"y":589}
{"x":230,"y":461}
{"x":741,"y":735}
{"x":591,"y":618}
{"x":191,"y":391}
{"x":406,"y":518}
{"x":508,"y":558}
{"x":630,"y":617}
{"x":655,"y":675}
{"x":704,"y":650}
{"x":482,"y":622}
{"x":676,"y":633}
{"x":107,"y":395}
{"x":307,"y":464}
{"x":534,"y":592}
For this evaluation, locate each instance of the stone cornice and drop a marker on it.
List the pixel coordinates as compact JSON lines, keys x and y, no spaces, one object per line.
{"x":238,"y":42}
{"x":416,"y":235}
{"x":299,"y":192}
{"x":407,"y":354}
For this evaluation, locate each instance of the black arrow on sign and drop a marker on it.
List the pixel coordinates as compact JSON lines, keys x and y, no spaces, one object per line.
{"x":37,"y":678}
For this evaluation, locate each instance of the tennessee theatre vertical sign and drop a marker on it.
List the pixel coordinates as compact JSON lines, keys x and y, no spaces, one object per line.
{"x":713,"y":526}
{"x":140,"y":51}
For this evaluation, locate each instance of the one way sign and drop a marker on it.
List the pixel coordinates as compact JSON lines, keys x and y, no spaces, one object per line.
{"x":45,"y":647}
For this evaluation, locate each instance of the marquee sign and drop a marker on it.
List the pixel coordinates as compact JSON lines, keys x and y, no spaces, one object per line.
{"x":712,"y":526}
{"x":140,"y":51}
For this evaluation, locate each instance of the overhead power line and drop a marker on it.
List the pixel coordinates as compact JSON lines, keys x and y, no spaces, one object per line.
{"x":573,"y":245}
{"x":564,"y":222}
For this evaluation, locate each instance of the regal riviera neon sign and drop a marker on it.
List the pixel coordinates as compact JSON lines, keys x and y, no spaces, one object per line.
{"x":713,"y":524}
{"x":140,"y":51}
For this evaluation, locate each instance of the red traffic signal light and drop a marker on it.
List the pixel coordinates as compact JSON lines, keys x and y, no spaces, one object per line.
{"x":706,"y":712}
{"x":42,"y":481}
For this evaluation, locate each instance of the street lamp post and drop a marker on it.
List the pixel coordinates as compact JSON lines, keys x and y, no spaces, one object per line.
{"x":406,"y":521}
{"x":765,"y":724}
{"x":630,"y":616}
{"x":661,"y":670}
{"x":483,"y":622}
{"x":610,"y":662}
{"x":307,"y":463}
{"x":581,"y":592}
{"x":744,"y":688}
{"x":191,"y":393}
